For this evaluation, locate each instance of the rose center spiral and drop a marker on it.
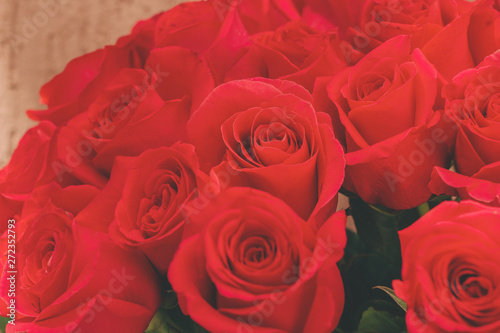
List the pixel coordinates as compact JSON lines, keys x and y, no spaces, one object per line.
{"x":160,"y":194}
{"x":467,"y":283}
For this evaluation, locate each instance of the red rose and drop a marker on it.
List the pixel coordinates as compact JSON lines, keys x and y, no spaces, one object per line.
{"x":392,"y":136}
{"x":73,"y":90}
{"x":88,"y":133}
{"x":454,"y":35}
{"x":141,"y":202}
{"x":294,"y":52}
{"x":483,"y":186}
{"x":136,"y":111}
{"x":473,"y":98}
{"x":266,"y":134}
{"x":252,"y":265}
{"x":451,"y":270}
{"x":69,"y":279}
{"x":261,"y":15}
{"x":33,"y":164}
{"x":72,"y":198}
{"x":20,"y":176}
{"x":218,"y":36}
{"x":326,"y":15}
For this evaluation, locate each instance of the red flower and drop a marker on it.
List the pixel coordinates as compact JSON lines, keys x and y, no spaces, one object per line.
{"x":216,"y":34}
{"x":473,"y":98}
{"x":136,"y":111}
{"x":453,"y":34}
{"x":73,"y":90}
{"x":32,"y":165}
{"x":451,"y":270}
{"x":69,"y":278}
{"x":294,"y":52}
{"x":326,"y":15}
{"x":384,"y":116}
{"x":141,"y":202}
{"x":266,"y":134}
{"x":261,"y":15}
{"x":252,"y":264}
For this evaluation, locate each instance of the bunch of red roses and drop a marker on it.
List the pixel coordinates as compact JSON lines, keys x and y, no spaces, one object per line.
{"x":192,"y":171}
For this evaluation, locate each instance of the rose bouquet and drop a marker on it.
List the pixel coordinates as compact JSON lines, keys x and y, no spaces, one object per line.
{"x":187,"y":178}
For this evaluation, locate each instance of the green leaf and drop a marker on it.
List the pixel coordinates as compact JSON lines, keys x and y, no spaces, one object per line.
{"x":3,"y":323}
{"x":380,"y":322}
{"x":360,"y":275}
{"x":378,"y":227}
{"x":391,"y":293}
{"x":161,"y":323}
{"x":170,"y":319}
{"x":173,"y":321}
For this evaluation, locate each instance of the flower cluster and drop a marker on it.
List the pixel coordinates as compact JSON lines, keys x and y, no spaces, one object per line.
{"x":202,"y":156}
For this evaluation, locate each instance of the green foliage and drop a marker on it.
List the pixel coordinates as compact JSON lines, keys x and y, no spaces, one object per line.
{"x":3,"y":323}
{"x":374,"y":321}
{"x":170,"y":319}
{"x":391,"y":293}
{"x":372,"y":260}
{"x":363,"y":269}
{"x":378,"y":228}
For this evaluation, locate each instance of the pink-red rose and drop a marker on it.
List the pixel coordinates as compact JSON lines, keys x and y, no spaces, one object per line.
{"x":73,"y":90}
{"x":451,"y":270}
{"x":252,"y":264}
{"x":453,"y":34}
{"x":473,"y":99}
{"x":326,"y":15}
{"x":266,"y":134}
{"x":141,"y":202}
{"x":214,"y":33}
{"x":136,"y":111}
{"x":261,"y":15}
{"x":384,"y":116}
{"x":294,"y":52}
{"x":33,"y":164}
{"x":70,"y":279}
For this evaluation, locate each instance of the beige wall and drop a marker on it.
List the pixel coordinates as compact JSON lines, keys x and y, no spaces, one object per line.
{"x":66,"y":29}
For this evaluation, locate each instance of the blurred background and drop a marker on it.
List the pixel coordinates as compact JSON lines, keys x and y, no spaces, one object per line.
{"x":39,"y":37}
